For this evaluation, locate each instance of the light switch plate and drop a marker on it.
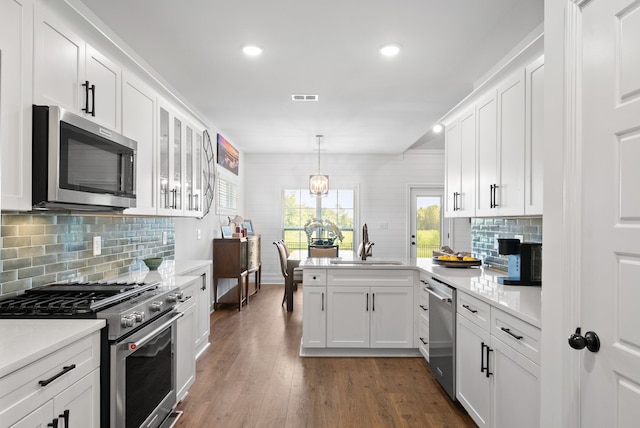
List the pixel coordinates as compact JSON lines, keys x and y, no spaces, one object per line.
{"x":164,"y":238}
{"x":199,"y":234}
{"x":97,"y":245}
{"x":520,"y":237}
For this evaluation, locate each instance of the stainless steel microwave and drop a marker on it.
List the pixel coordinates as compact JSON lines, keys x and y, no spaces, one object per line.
{"x":79,"y":165}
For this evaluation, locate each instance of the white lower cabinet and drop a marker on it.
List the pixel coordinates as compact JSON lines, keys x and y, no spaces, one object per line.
{"x":357,"y":308}
{"x":498,"y":370}
{"x":78,"y":405}
{"x":314,"y":317}
{"x":422,"y":318}
{"x":61,"y":389}
{"x":202,"y":295}
{"x":185,"y":351}
{"x":363,"y":317}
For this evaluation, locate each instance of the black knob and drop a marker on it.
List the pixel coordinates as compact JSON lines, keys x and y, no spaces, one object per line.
{"x":590,"y":340}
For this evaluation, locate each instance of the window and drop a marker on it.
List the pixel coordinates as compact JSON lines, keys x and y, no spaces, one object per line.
{"x":227,"y":196}
{"x":299,"y":207}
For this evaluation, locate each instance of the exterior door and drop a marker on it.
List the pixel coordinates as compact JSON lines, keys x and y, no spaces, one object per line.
{"x":592,"y":269}
{"x":427,"y":222}
{"x":610,"y":379}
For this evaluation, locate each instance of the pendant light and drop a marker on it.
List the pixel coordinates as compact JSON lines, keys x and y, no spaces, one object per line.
{"x":319,"y":183}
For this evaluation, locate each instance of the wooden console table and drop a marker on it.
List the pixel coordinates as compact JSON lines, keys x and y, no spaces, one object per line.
{"x":236,"y":258}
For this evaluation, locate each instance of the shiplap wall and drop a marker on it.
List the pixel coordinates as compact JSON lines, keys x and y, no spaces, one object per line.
{"x":383,"y":194}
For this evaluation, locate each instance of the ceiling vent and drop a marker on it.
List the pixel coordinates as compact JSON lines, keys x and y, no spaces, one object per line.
{"x":304,"y":97}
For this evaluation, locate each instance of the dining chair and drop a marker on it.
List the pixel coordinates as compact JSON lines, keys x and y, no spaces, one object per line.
{"x":297,"y":272}
{"x":323,"y":252}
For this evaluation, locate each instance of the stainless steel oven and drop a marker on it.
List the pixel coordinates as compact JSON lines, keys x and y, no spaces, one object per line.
{"x":143,"y":374}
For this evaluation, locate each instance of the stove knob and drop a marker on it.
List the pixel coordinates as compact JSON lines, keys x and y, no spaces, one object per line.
{"x":172,"y":298}
{"x":155,"y":306}
{"x":138,"y":316}
{"x":127,"y":321}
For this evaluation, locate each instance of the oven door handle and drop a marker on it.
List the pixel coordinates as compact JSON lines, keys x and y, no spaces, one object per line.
{"x":445,"y":299}
{"x":132,"y":346}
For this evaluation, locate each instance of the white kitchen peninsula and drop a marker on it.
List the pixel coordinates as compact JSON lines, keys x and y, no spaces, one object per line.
{"x":497,"y":327}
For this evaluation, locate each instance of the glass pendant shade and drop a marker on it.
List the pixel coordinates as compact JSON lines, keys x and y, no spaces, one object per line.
{"x":319,"y":185}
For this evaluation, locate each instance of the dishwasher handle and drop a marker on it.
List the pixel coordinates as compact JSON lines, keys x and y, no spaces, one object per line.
{"x":445,"y":299}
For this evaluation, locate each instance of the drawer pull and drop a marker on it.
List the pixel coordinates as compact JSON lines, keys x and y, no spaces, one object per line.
{"x":473,"y":311}
{"x":65,"y":369}
{"x":506,"y":330}
{"x":423,"y":341}
{"x":53,"y":424}
{"x":423,"y":308}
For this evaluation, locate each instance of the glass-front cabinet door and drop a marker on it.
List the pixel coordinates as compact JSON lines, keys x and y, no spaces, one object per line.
{"x":180,"y":165}
{"x":170,"y":162}
{"x":193,"y":171}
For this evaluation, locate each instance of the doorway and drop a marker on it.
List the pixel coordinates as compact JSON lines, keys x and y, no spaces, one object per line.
{"x":428,"y":227}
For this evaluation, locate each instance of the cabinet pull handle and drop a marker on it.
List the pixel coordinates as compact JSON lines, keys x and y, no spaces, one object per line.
{"x":423,"y":341}
{"x":53,"y":424}
{"x":482,"y":367}
{"x":510,"y":333}
{"x":174,"y":196}
{"x":373,"y":301}
{"x":197,"y":197}
{"x":93,"y":102}
{"x":473,"y":311}
{"x":367,"y":308}
{"x":423,"y":308}
{"x":65,"y":417}
{"x":323,"y":301}
{"x":85,"y":85}
{"x":488,"y":364}
{"x":64,"y":370}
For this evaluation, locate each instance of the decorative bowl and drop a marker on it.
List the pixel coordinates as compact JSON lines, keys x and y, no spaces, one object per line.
{"x":153,"y":263}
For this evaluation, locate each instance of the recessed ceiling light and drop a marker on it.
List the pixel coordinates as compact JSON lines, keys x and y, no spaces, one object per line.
{"x":437,"y":128}
{"x":252,"y":50}
{"x":390,"y":50}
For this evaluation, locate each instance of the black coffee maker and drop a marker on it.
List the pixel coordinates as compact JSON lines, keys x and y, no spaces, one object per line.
{"x":525,"y":262}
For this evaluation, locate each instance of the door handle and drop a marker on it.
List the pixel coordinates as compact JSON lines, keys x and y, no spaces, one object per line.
{"x":590,"y":340}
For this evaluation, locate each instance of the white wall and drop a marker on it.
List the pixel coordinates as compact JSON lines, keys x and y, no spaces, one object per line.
{"x":383,"y":187}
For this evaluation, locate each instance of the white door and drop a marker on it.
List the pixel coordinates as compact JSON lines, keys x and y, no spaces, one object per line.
{"x":427,"y":223}
{"x":610,"y":262}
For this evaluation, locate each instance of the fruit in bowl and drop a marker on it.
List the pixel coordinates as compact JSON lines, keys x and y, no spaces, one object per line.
{"x":153,"y":263}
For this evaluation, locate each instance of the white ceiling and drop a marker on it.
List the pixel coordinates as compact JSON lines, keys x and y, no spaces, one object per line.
{"x":367,"y":103}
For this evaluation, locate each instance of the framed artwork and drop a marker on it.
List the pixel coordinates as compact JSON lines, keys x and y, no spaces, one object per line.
{"x":228,"y":155}
{"x":226,"y":231}
{"x":246,"y":224}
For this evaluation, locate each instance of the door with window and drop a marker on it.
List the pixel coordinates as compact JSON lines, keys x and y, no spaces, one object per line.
{"x":427,"y":224}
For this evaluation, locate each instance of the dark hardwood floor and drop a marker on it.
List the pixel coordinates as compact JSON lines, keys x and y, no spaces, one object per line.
{"x":251,"y":376}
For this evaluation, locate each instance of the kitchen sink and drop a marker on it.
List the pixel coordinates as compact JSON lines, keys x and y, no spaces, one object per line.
{"x":366,"y":262}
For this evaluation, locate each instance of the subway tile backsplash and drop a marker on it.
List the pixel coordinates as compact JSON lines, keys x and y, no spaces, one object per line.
{"x":40,"y":248}
{"x":484,"y":230}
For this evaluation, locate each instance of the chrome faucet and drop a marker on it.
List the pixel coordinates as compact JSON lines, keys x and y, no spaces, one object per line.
{"x":365,"y":247}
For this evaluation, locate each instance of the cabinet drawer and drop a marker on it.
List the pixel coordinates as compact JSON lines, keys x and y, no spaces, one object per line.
{"x":519,"y":335}
{"x":21,"y":391}
{"x":475,"y":310}
{"x":423,"y":305}
{"x":370,"y":278}
{"x":314,"y":277}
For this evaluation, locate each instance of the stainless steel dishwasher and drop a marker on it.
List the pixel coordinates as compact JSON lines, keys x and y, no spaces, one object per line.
{"x":442,"y":337}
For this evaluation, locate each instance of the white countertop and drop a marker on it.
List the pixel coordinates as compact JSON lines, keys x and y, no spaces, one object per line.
{"x":166,"y":273}
{"x":523,"y":302}
{"x":27,"y":340}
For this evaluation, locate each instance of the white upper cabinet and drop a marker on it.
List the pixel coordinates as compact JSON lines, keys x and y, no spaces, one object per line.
{"x":460,"y":143}
{"x":16,"y":71}
{"x":487,"y":149}
{"x":533,"y":167}
{"x":71,"y":74}
{"x":493,"y":149}
{"x":179,"y":164}
{"x":139,"y":123}
{"x":509,"y":194}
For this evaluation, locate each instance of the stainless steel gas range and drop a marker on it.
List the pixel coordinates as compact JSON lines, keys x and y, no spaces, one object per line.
{"x":138,"y":346}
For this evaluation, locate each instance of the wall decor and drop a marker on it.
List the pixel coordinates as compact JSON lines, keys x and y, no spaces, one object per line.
{"x":209,"y":173}
{"x":228,"y":155}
